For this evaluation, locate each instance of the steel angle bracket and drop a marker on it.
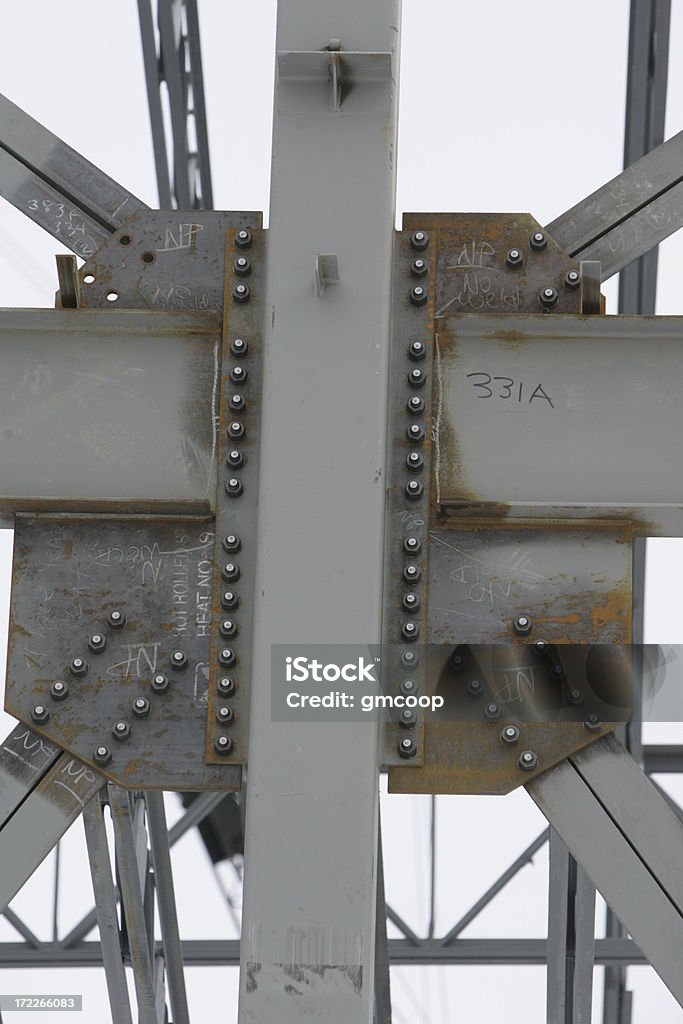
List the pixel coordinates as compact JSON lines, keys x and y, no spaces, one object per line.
{"x":109,"y":645}
{"x":234,"y":553}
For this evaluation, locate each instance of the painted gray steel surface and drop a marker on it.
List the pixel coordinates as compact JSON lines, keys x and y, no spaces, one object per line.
{"x":562,"y":416}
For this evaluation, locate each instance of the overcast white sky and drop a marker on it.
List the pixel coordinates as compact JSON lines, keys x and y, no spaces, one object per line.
{"x":503,"y":107}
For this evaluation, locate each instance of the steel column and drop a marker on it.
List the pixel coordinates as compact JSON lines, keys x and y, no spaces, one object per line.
{"x":309,"y":911}
{"x":571,"y":938}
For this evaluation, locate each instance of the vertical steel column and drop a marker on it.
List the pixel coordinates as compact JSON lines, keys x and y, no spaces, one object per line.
{"x":309,"y":896}
{"x":571,"y":938}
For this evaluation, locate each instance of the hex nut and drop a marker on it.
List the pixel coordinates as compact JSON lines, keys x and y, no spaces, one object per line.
{"x":141,"y":707}
{"x":592,"y":722}
{"x":522,"y":625}
{"x":417,"y":378}
{"x":242,"y":266}
{"x":575,"y":698}
{"x":410,"y":631}
{"x":408,"y":718}
{"x":120,"y":730}
{"x":228,"y":628}
{"x":419,"y":240}
{"x":548,"y":297}
{"x":514,"y":258}
{"x":418,"y":295}
{"x":40,"y":713}
{"x":412,"y":573}
{"x":419,"y":267}
{"x":407,"y":748}
{"x":475,"y":688}
{"x":541,"y":648}
{"x":227,"y":657}
{"x":234,"y":487}
{"x":78,"y":667}
{"x":409,"y":687}
{"x":101,"y":755}
{"x":415,"y":462}
{"x":230,"y":572}
{"x":236,"y":430}
{"x":225,"y":715}
{"x":229,"y":600}
{"x":572,"y":279}
{"x":97,"y":643}
{"x":222,"y":744}
{"x":239,"y":347}
{"x":59,"y":690}
{"x":493,"y":711}
{"x":243,"y":238}
{"x":414,"y":489}
{"x":237,"y":403}
{"x":116,"y":619}
{"x":527,"y":761}
{"x":241,"y":293}
{"x":509,"y":735}
{"x":411,"y":603}
{"x":160,"y":683}
{"x":538,"y":241}
{"x":409,"y":659}
{"x":231,"y":543}
{"x":178,"y":660}
{"x":416,"y":404}
{"x":226,"y":686}
{"x":415,"y":433}
{"x":417,"y":350}
{"x":412,"y":545}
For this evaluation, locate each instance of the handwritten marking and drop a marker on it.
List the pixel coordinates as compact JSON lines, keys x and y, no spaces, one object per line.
{"x":504,"y":391}
{"x":185,"y":237}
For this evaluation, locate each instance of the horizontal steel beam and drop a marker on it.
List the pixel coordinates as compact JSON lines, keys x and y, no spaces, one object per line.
{"x":107,"y":410}
{"x":663,"y":758}
{"x":57,"y":187}
{"x":225,"y":953}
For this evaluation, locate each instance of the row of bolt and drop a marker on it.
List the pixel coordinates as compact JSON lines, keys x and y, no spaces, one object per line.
{"x":548,"y":296}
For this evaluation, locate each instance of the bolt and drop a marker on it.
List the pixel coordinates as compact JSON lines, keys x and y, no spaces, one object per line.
{"x":419,"y":240}
{"x":230,"y":571}
{"x":239,"y":347}
{"x":228,"y":628}
{"x":592,"y":722}
{"x":415,"y":432}
{"x":233,"y":487}
{"x":414,"y":489}
{"x":178,"y":659}
{"x":514,"y":258}
{"x":407,"y":748}
{"x":121,"y":731}
{"x":417,"y":350}
{"x":412,"y":545}
{"x":40,"y":713}
{"x":522,"y":625}
{"x":229,"y":599}
{"x":418,"y":295}
{"x":538,"y":241}
{"x":116,"y":620}
{"x":97,"y":643}
{"x":558,"y":671}
{"x":237,"y":403}
{"x":412,"y":573}
{"x":416,"y":404}
{"x":227,"y":657}
{"x":572,"y":279}
{"x":575,"y":697}
{"x":527,"y":761}
{"x":78,"y":667}
{"x":411,"y":602}
{"x":409,"y":659}
{"x":59,"y":690}
{"x":417,"y":378}
{"x":226,"y":686}
{"x":410,"y":630}
{"x":548,"y":297}
{"x":235,"y":457}
{"x":236,"y":430}
{"x":492,"y":711}
{"x":408,"y":687}
{"x":415,"y":461}
{"x":242,"y":266}
{"x":457,"y":661}
{"x":240,"y":293}
{"x":474,"y":688}
{"x":408,"y":718}
{"x":232,"y":543}
{"x":243,"y":238}
{"x":540,"y":648}
{"x":160,"y":683}
{"x":225,"y":715}
{"x":222,"y":744}
{"x":141,"y":707}
{"x":509,"y":735}
{"x":419,"y":267}
{"x":238,"y":375}
{"x":102,"y":755}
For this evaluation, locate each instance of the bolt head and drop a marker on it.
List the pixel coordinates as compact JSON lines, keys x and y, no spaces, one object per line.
{"x":239,"y":347}
{"x":234,"y":487}
{"x":116,"y":620}
{"x":418,"y":295}
{"x":510,"y":735}
{"x":492,"y":711}
{"x":40,"y":713}
{"x":414,"y":489}
{"x":231,"y":543}
{"x":417,"y":378}
{"x":242,"y":266}
{"x":78,"y":667}
{"x":225,"y":715}
{"x":160,"y":683}
{"x":102,"y":755}
{"x":407,"y":748}
{"x":228,"y":628}
{"x":548,"y":297}
{"x":538,"y":241}
{"x":522,"y":625}
{"x":97,"y":642}
{"x":178,"y":659}
{"x":409,"y":659}
{"x":410,"y":630}
{"x":229,"y":600}
{"x":222,"y":744}
{"x":226,"y":686}
{"x":416,"y":404}
{"x":527,"y":761}
{"x":227,"y":656}
{"x":419,"y":240}
{"x":575,"y":697}
{"x":572,"y":279}
{"x":243,"y":238}
{"x":240,"y":293}
{"x":514,"y":258}
{"x":415,"y":432}
{"x":230,"y":571}
{"x":236,"y":430}
{"x":540,"y":647}
{"x":121,"y":730}
{"x":237,"y":403}
{"x":59,"y":690}
{"x":475,"y":688}
{"x":417,"y":351}
{"x":141,"y":707}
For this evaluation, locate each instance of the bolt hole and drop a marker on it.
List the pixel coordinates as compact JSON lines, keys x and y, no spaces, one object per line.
{"x":112,"y":296}
{"x":148,"y":257}
{"x":88,"y":278}
{"x":125,"y":240}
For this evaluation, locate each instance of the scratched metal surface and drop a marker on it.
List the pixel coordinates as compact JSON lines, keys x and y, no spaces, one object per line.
{"x":68,"y":575}
{"x":162,"y":259}
{"x":24,"y":758}
{"x":575,"y":586}
{"x":107,"y":410}
{"x":541,"y":416}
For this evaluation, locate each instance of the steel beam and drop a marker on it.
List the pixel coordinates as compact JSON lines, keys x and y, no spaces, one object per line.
{"x":309,"y":913}
{"x":56,"y":187}
{"x":571,"y":938}
{"x":176,"y":61}
{"x":648,"y":65}
{"x":625,"y":837}
{"x":226,"y":953}
{"x":107,"y":920}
